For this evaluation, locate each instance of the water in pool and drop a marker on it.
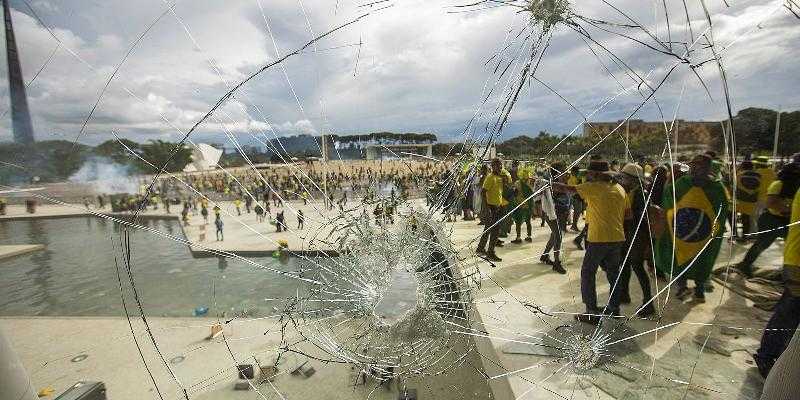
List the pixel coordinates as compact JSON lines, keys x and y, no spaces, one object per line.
{"x":76,"y":274}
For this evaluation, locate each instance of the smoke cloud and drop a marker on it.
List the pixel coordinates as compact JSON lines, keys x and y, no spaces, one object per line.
{"x":106,"y":176}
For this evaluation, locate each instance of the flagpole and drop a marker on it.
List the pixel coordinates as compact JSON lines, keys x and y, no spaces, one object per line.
{"x":777,"y":133}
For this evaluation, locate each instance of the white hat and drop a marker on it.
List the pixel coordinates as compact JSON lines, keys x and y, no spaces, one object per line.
{"x":633,"y":170}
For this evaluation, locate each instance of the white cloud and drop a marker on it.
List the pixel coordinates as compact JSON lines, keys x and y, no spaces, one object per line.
{"x":420,"y":67}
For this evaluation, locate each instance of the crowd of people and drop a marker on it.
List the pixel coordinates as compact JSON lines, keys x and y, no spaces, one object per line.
{"x":668,"y":221}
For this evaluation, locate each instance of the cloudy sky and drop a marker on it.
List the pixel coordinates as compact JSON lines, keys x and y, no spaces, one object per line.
{"x":419,"y":66}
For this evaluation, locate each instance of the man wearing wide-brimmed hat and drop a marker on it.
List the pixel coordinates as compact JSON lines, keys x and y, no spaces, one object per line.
{"x":605,"y":215}
{"x":637,"y":237}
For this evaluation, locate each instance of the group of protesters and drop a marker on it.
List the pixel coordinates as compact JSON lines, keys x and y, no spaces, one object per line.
{"x":672,"y":218}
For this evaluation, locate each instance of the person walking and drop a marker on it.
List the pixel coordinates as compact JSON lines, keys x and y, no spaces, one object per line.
{"x":605,"y":215}
{"x":492,"y":199}
{"x":786,"y":316}
{"x":555,"y":221}
{"x":238,"y":204}
{"x":772,"y":222}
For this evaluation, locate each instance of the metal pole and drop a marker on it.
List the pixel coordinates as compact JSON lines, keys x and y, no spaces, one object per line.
{"x":325,"y":170}
{"x":777,"y":133}
{"x":15,"y":384}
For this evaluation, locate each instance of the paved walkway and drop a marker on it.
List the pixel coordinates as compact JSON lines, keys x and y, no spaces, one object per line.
{"x":523,"y":308}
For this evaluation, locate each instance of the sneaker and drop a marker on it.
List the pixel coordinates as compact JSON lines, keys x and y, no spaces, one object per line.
{"x":558,"y":268}
{"x":528,"y":239}
{"x":591,"y":317}
{"x":745,"y":270}
{"x":647,"y":311}
{"x":517,"y":241}
{"x":493,"y":257}
{"x":698,"y":299}
{"x":545,"y":259}
{"x":683,"y":293}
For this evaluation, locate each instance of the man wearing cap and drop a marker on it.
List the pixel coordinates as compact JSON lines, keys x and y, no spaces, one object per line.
{"x":492,"y":192}
{"x":605,"y":215}
{"x":695,"y":207}
{"x":637,"y":237}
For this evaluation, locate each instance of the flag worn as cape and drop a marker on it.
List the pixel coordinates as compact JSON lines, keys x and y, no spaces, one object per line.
{"x":696,"y":217}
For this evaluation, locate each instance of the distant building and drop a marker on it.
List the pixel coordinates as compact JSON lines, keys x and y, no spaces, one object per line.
{"x":392,"y":151}
{"x":689,"y":135}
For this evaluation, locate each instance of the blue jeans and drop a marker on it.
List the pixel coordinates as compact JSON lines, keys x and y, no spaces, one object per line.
{"x":607,"y":256}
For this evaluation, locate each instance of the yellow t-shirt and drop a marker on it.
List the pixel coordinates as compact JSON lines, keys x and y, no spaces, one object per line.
{"x":768,"y":176}
{"x":775,"y":189}
{"x":605,"y":212}
{"x":572,"y":180}
{"x":791,"y":251}
{"x":493,"y":184}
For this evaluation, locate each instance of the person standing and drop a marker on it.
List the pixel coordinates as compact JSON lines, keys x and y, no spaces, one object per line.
{"x":747,"y":183}
{"x":238,"y":204}
{"x":577,"y":203}
{"x":204,"y":213}
{"x":785,"y":318}
{"x":695,"y":208}
{"x":637,"y":237}
{"x":492,"y":199}
{"x":772,"y":222}
{"x":218,"y":224}
{"x":300,"y":219}
{"x":605,"y":215}
{"x":522,"y":205}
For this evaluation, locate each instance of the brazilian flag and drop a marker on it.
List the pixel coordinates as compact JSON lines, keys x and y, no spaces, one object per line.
{"x":696,"y":217}
{"x":747,"y":192}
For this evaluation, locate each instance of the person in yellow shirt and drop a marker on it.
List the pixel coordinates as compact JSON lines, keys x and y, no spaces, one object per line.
{"x":772,"y":222}
{"x":605,"y":216}
{"x":767,"y":174}
{"x":784,"y":320}
{"x":492,"y":194}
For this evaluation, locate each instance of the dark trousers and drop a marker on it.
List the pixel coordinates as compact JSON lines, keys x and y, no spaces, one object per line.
{"x":519,"y":227}
{"x":577,"y":210}
{"x":779,"y":331}
{"x":636,"y":263}
{"x":554,"y":242}
{"x":491,"y":229}
{"x":775,"y":227}
{"x":607,"y":256}
{"x":582,"y":235}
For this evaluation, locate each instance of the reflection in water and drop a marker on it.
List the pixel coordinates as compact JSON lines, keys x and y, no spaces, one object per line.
{"x":76,"y":273}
